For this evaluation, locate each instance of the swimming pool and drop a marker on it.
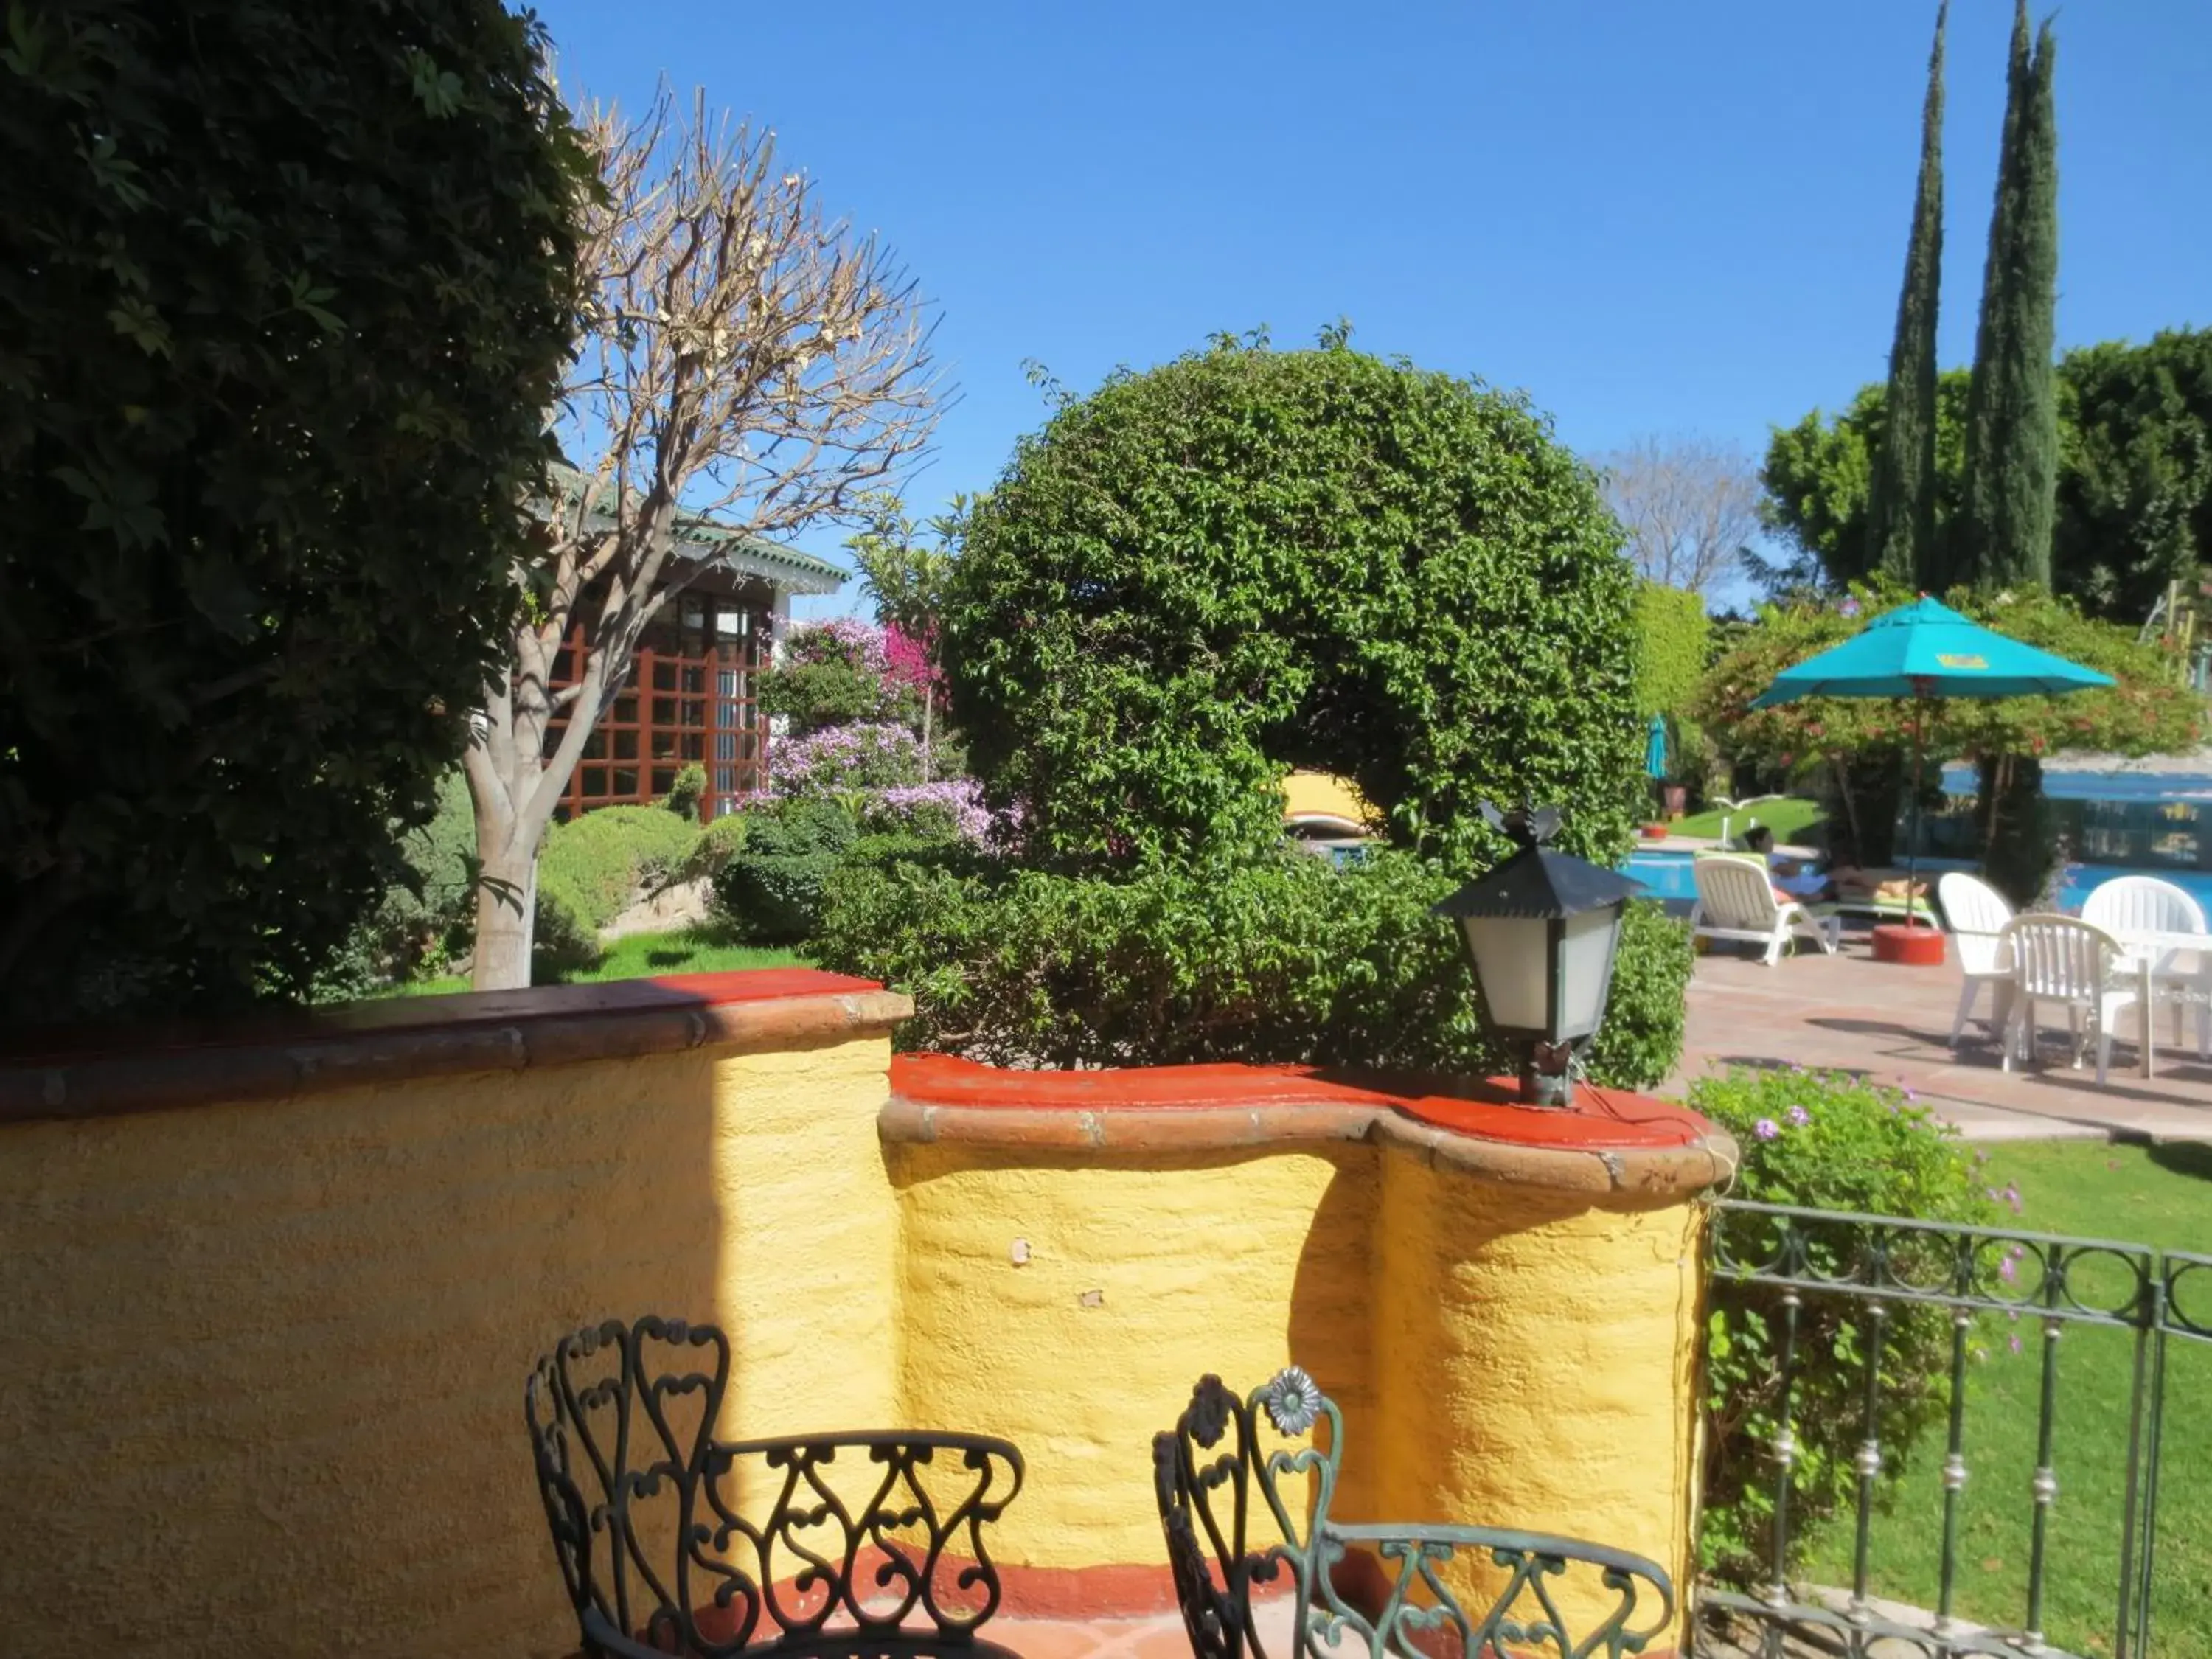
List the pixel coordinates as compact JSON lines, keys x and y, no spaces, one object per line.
{"x":1667,"y":876}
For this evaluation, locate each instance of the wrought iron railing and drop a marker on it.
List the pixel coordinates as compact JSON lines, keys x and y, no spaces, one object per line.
{"x":1808,"y":1267}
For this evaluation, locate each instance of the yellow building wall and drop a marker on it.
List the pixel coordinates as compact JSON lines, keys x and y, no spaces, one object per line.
{"x":264,"y":1362}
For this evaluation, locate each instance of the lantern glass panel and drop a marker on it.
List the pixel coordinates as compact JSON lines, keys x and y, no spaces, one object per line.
{"x":1514,"y":968}
{"x":1585,"y":955}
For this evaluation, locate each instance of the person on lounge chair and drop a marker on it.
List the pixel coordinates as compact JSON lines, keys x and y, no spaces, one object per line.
{"x":1793,"y":882}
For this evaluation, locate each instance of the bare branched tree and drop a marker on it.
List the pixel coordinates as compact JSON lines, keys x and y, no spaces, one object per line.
{"x":1690,"y":506}
{"x":742,"y":359}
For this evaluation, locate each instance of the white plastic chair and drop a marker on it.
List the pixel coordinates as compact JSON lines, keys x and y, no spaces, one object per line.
{"x":1976,"y":913}
{"x":2060,"y":959}
{"x":2127,"y":904}
{"x":1735,"y":900}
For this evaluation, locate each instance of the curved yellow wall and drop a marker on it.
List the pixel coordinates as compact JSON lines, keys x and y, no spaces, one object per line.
{"x":1141,"y":1277}
{"x":1538,"y":1363}
{"x":1507,"y":1353}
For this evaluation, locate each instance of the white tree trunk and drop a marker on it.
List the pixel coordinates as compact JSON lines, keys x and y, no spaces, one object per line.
{"x":514,"y":787}
{"x":507,"y":918}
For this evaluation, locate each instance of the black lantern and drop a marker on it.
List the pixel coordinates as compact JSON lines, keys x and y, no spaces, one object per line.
{"x":1541,"y":930}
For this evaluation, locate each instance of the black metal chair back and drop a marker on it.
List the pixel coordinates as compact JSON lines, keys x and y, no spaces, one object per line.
{"x":1242,"y":1507}
{"x":670,"y":1541}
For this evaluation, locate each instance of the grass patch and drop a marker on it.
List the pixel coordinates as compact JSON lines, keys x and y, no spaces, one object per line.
{"x":2160,"y":1196}
{"x":1788,"y":816}
{"x":704,"y":948}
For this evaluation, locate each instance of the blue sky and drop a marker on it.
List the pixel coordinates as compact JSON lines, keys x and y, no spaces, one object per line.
{"x":1686,"y":218}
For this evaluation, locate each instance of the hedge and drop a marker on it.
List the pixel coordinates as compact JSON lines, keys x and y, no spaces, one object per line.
{"x":1281,"y":960}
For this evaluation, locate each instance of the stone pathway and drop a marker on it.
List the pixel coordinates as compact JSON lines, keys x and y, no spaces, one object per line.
{"x":1850,"y":1012}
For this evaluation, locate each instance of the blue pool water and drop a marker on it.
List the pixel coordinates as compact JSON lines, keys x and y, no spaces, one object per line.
{"x":1667,"y":876}
{"x":2158,"y":787}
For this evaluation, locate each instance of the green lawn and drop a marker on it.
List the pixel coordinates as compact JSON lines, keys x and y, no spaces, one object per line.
{"x":706,"y":948}
{"x":1788,"y":816}
{"x":2147,"y":1196}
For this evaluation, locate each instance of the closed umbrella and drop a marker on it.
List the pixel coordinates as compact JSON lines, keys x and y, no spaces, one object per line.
{"x":1923,"y":651}
{"x":1654,"y":748}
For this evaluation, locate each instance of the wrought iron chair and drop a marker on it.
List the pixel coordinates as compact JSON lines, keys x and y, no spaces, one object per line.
{"x":815,"y":1547}
{"x":1240,"y":1515}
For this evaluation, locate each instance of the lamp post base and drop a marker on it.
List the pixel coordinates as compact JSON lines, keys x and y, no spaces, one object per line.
{"x":1555,"y":1090}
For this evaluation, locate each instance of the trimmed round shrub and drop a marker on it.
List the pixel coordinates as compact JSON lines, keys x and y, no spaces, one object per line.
{"x":686,"y":790}
{"x":287,"y":292}
{"x":1285,"y":960}
{"x":589,"y":869}
{"x":772,"y":890}
{"x":1247,"y":560}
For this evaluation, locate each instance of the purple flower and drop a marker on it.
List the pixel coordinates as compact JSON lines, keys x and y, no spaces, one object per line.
{"x":1798,"y":1115}
{"x":2016,"y":1344}
{"x":2008,"y":1270}
{"x":1767,"y":1128}
{"x":1909,"y":1096}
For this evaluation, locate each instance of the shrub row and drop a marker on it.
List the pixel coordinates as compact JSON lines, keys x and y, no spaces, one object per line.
{"x":1280,"y":960}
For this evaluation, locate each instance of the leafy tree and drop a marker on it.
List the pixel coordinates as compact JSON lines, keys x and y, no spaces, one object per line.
{"x":1248,"y":559}
{"x":1671,"y":630}
{"x":908,"y":579}
{"x":1901,"y":494}
{"x":2012,"y":416}
{"x":749,"y":368}
{"x":2135,"y":479}
{"x":284,"y":292}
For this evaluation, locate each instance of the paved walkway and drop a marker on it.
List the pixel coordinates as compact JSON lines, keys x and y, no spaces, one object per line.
{"x":1849,"y":1013}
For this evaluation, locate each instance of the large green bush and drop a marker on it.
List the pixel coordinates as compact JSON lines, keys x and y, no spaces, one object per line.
{"x":1830,"y":1142}
{"x":284,"y":293}
{"x":771,"y":889}
{"x":1285,"y":960}
{"x":1248,"y":559}
{"x":424,"y":918}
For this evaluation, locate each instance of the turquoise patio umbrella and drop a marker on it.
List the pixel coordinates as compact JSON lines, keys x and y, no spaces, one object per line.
{"x":1923,"y":651}
{"x":1654,"y":748}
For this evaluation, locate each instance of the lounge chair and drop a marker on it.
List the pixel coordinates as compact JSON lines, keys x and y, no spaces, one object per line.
{"x":1736,"y":900}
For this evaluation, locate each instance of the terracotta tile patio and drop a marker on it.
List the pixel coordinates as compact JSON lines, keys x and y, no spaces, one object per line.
{"x":1852,"y":1013}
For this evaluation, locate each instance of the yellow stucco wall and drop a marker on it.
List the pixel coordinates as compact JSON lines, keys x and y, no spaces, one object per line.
{"x":264,"y":1362}
{"x":1505,"y":1355}
{"x":1538,"y":1365}
{"x":1142,"y":1275}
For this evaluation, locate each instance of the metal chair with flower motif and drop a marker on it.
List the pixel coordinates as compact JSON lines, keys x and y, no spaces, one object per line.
{"x":1387,"y":1588}
{"x":868,"y":1545}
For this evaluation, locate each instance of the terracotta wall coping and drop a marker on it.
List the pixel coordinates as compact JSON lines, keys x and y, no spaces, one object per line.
{"x":401,"y":1039}
{"x":1618,"y":1143}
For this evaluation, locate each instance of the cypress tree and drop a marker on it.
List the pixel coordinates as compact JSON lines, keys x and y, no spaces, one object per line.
{"x":2012,"y":405}
{"x":1901,"y":498}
